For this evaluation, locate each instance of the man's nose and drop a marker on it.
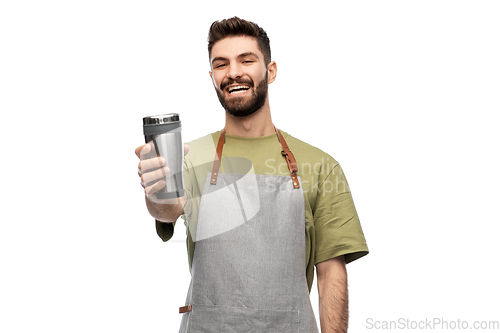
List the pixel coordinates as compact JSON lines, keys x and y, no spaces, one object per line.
{"x":234,"y":71}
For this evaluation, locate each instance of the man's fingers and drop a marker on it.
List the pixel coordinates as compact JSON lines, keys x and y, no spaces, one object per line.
{"x":149,"y":177}
{"x":143,"y":151}
{"x":154,"y":188}
{"x":139,"y":150}
{"x":152,"y":163}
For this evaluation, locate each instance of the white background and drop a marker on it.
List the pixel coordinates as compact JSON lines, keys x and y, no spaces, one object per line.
{"x":402,"y":93}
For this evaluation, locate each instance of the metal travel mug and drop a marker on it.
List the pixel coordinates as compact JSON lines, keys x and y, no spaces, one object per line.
{"x":164,"y":131}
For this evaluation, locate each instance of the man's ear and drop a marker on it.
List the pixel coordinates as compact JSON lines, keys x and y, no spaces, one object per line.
{"x":212,"y":77}
{"x":271,"y":72}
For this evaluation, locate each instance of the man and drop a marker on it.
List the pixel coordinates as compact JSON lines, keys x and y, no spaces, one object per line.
{"x":259,"y":202}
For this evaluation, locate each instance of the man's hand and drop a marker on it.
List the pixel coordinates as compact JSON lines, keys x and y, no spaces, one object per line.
{"x":333,"y":297}
{"x":152,"y":170}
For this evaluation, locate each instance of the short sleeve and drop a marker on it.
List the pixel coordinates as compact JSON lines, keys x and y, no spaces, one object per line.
{"x":165,"y":230}
{"x":337,"y":227}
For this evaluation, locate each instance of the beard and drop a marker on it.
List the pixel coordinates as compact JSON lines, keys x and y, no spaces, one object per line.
{"x":238,"y":107}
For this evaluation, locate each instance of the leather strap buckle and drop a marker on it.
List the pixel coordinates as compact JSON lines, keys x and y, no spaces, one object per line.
{"x":290,"y":159}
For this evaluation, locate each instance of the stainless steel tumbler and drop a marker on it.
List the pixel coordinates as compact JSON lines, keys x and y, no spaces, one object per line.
{"x":164,"y":131}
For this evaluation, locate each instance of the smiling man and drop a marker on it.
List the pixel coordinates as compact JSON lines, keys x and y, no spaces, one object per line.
{"x":262,"y":209}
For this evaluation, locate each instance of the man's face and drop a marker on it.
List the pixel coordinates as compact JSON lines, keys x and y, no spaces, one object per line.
{"x":239,"y":75}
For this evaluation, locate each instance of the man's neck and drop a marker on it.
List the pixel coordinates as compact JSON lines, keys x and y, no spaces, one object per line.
{"x":255,"y":125}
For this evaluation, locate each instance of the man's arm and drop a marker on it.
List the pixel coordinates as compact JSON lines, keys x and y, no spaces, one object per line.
{"x":333,"y":297}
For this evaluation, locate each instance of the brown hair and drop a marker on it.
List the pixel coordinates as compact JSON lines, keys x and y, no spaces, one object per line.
{"x":239,"y":27}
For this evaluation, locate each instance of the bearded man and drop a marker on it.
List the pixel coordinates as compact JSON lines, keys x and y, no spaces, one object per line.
{"x":262,"y":208}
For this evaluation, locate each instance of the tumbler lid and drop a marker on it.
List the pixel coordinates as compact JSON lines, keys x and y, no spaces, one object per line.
{"x":161,"y":119}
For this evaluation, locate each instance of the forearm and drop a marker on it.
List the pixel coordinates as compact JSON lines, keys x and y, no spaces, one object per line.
{"x":333,"y":298}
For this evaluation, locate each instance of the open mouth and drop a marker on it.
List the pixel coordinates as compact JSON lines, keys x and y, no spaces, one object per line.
{"x":238,"y":89}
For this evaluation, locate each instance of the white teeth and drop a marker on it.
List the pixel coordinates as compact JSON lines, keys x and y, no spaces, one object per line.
{"x":237,"y":87}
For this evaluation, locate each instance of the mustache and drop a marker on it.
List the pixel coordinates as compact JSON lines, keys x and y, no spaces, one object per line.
{"x":233,"y":81}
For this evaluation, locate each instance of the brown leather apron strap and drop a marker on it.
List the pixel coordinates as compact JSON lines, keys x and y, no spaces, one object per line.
{"x":290,"y":159}
{"x":218,"y":156}
{"x":286,"y":152}
{"x":186,"y":308}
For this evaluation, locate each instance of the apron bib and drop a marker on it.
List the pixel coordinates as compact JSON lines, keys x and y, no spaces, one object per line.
{"x":249,"y":271}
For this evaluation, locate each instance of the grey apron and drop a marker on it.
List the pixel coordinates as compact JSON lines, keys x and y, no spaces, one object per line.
{"x":249,"y":266}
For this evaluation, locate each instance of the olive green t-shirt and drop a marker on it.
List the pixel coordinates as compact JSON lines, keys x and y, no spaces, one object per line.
{"x":332,"y":226}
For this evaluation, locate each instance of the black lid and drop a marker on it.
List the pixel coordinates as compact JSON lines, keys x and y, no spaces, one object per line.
{"x":161,"y":119}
